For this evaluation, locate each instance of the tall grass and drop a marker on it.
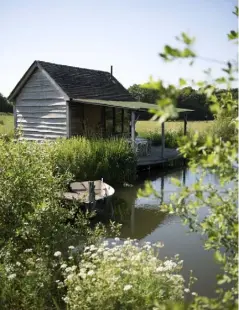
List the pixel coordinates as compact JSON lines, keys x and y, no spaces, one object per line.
{"x":6,"y":125}
{"x":172,"y":137}
{"x":87,"y":159}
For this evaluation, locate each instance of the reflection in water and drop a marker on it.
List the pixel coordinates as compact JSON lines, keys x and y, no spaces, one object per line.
{"x":141,"y":219}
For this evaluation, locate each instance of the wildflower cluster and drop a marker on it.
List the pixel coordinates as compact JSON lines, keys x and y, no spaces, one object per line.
{"x":116,"y":274}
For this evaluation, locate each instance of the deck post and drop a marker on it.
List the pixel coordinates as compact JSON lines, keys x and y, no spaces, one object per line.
{"x":163,"y":140}
{"x":185,"y":124}
{"x":133,"y":128}
{"x":92,"y":193}
{"x":184,"y":176}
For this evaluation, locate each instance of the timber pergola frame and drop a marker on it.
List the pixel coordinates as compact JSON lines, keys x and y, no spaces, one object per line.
{"x":134,"y":106}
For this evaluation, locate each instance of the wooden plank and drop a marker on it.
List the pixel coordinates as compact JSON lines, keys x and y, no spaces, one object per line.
{"x":41,"y":103}
{"x":68,"y":129}
{"x":37,"y":125}
{"x":37,"y":120}
{"x":41,"y":115}
{"x":44,"y":130}
{"x":55,"y":109}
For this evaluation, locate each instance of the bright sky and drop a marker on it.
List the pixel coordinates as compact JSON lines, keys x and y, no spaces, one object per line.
{"x":127,"y":34}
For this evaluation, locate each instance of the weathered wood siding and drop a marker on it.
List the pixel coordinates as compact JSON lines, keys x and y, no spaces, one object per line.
{"x":41,"y":109}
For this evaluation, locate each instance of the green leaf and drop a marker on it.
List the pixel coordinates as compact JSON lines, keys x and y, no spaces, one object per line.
{"x":175,"y":181}
{"x":233,"y":35}
{"x":182,"y":82}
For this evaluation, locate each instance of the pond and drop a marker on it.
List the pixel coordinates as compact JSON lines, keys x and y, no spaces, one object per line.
{"x":141,"y":219}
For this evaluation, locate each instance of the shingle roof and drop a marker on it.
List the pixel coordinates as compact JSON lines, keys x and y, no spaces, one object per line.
{"x":86,"y":83}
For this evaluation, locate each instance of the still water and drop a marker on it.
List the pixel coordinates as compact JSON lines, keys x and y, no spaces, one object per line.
{"x":141,"y":219}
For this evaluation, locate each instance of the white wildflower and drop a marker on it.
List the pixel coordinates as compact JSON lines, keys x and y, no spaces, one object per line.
{"x":69,"y":277}
{"x":73,"y":268}
{"x":93,"y":247}
{"x":28,"y":251}
{"x":186,"y":290}
{"x":71,"y":247}
{"x":63,"y":266}
{"x":117,"y":239}
{"x":18,"y":264}
{"x":12,"y":276}
{"x":68,"y":269}
{"x":29,"y":272}
{"x":127,"y":287}
{"x":90,"y":272}
{"x":194,"y":294}
{"x":57,"y":254}
{"x":160,"y":269}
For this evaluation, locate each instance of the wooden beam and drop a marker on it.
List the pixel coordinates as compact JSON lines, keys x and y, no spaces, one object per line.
{"x":68,"y":131}
{"x":122,"y":121}
{"x":163,"y":140}
{"x":185,"y":124}
{"x":133,"y":127}
{"x":15,"y":117}
{"x":83,"y":117}
{"x":103,"y":124}
{"x":114,"y":129}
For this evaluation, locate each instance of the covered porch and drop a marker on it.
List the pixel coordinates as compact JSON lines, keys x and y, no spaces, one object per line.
{"x":106,"y":118}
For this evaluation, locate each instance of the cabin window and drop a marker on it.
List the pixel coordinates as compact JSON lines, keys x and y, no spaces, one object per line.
{"x":109,"y":120}
{"x":126,"y":122}
{"x":118,"y":120}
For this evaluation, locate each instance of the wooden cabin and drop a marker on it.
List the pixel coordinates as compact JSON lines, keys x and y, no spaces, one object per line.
{"x":53,"y":101}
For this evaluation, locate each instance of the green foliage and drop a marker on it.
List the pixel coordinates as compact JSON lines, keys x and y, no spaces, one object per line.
{"x":218,"y":154}
{"x":5,"y":106}
{"x":6,"y":126}
{"x":110,"y":276}
{"x":34,"y":223}
{"x":87,"y":159}
{"x":143,"y":94}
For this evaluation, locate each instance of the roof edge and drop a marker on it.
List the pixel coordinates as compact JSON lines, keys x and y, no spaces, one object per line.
{"x":35,"y":65}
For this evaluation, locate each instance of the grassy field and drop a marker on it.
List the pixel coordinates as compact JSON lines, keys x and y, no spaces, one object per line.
{"x":6,"y":123}
{"x":147,"y":126}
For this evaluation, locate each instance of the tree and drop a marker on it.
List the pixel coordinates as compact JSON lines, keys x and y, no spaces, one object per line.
{"x":143,"y":94}
{"x":5,"y":106}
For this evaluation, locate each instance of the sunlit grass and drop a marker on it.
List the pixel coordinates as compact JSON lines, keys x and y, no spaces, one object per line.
{"x":6,"y":123}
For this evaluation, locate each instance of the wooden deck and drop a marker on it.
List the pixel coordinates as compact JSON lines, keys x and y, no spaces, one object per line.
{"x":155,"y":158}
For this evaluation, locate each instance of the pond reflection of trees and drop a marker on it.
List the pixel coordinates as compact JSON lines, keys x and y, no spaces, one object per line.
{"x":138,"y":216}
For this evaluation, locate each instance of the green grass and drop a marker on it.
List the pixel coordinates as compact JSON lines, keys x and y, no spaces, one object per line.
{"x":151,"y":126}
{"x":173,"y":131}
{"x":6,"y":123}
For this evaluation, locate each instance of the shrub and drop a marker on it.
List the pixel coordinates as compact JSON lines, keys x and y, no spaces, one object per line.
{"x":224,"y":128}
{"x":88,"y":159}
{"x":123,"y":276}
{"x":34,"y":224}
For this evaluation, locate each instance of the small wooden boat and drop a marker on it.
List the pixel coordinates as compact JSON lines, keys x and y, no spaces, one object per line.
{"x":89,"y":191}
